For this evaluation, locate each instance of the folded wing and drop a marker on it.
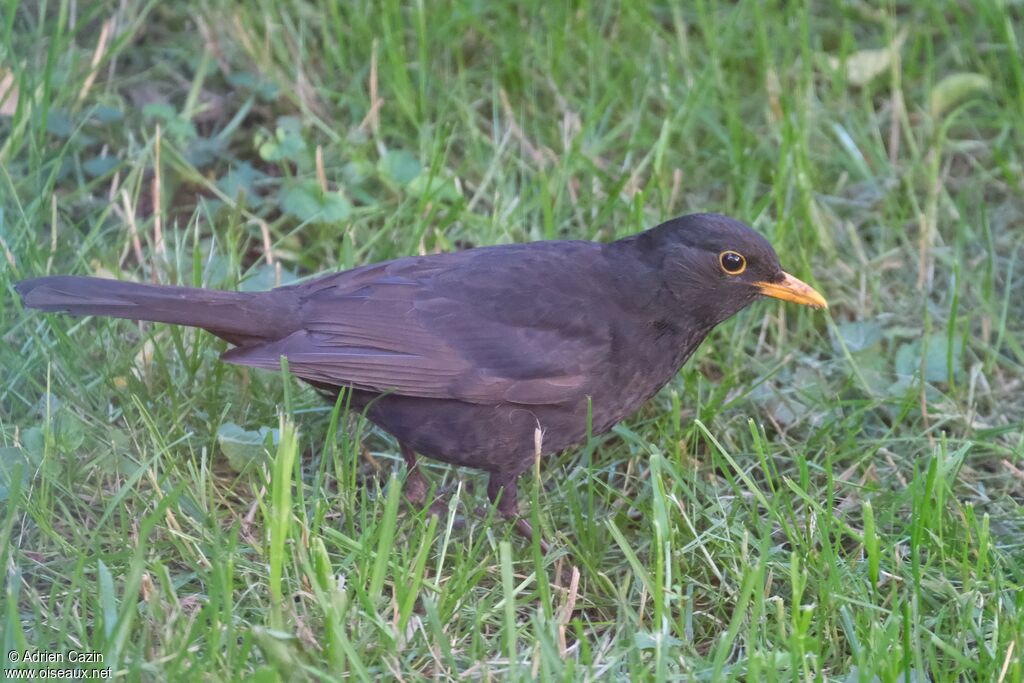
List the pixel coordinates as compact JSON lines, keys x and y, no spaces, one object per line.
{"x":470,"y":326}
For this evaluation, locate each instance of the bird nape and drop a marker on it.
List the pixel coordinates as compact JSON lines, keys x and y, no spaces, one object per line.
{"x":464,"y":356}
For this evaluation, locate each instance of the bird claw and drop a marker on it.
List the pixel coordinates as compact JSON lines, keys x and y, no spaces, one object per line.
{"x":526,"y":530}
{"x":439,"y":508}
{"x":415,"y":492}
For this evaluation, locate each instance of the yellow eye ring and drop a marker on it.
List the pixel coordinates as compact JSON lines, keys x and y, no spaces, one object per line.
{"x":732,"y":262}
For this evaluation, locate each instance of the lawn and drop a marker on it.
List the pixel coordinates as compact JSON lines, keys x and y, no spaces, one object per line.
{"x":816,"y":496}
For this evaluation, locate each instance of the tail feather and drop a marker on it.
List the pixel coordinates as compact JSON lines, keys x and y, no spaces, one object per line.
{"x":238,"y":317}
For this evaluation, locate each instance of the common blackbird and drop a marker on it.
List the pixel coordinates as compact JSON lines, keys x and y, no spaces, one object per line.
{"x":464,"y":356}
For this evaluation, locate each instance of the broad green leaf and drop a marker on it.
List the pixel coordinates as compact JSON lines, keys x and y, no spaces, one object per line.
{"x":400,"y":166}
{"x":645,"y":640}
{"x":936,"y":362}
{"x":307,"y":202}
{"x":158,"y":110}
{"x":106,"y":114}
{"x":860,"y":334}
{"x":59,"y":123}
{"x":202,"y":152}
{"x":264,"y":277}
{"x":438,"y":188}
{"x":242,"y":179}
{"x":10,"y":458}
{"x":101,"y":165}
{"x":175,"y":126}
{"x":243,"y":447}
{"x":34,"y":442}
{"x":908,"y":359}
{"x":287,"y":143}
{"x":245,"y":80}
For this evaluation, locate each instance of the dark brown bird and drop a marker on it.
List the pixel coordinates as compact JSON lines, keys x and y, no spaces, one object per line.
{"x":464,"y":356}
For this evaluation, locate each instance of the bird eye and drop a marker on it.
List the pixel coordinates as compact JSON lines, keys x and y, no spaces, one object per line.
{"x":732,"y":262}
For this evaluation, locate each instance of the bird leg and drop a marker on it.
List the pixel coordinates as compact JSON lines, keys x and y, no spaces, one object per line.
{"x":416,"y":486}
{"x":504,"y":491}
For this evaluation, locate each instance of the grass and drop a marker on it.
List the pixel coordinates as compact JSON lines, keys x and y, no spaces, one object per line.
{"x":815,"y":497}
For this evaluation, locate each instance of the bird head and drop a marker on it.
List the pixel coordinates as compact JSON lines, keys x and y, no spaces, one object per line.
{"x":715,"y":266}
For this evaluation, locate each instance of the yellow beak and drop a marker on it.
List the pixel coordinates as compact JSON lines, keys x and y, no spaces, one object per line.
{"x":792,"y":289}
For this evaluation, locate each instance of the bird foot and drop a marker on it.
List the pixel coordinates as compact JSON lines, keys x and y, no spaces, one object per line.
{"x":522,"y":526}
{"x":439,"y":508}
{"x":416,"y":491}
{"x":526,"y":530}
{"x":416,"y":497}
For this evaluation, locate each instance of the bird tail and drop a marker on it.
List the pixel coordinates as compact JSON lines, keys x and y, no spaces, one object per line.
{"x":235,"y":316}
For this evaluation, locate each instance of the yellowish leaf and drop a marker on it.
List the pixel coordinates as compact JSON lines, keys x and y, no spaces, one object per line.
{"x":956,"y":88}
{"x":8,"y":93}
{"x":863,"y":66}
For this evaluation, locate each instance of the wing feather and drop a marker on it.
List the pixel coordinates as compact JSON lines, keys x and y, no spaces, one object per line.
{"x":444,"y":326}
